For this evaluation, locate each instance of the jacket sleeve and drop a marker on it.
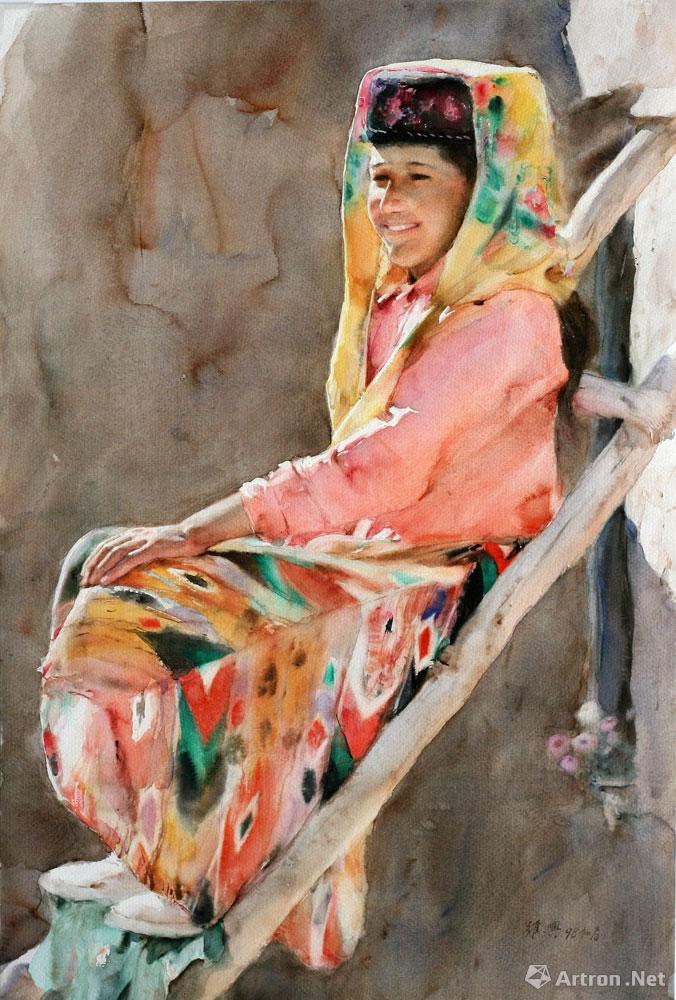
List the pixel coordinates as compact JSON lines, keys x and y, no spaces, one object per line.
{"x":482,"y":367}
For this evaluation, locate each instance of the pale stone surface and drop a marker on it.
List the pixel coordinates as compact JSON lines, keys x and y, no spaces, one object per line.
{"x":652,"y":502}
{"x":653,"y":691}
{"x":634,"y":51}
{"x":616,"y":44}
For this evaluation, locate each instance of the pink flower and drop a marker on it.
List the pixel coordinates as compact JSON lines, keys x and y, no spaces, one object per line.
{"x":394,"y":108}
{"x":569,"y":764}
{"x":536,"y":200}
{"x":557,"y":745}
{"x":584,"y":742}
{"x":452,"y":109}
{"x":612,"y":738}
{"x":609,"y":723}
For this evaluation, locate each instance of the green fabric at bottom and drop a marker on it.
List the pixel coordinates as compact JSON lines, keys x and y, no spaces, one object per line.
{"x":83,"y":959}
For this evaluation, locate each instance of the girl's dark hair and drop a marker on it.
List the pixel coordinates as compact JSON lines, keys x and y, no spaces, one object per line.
{"x":462,"y":155}
{"x":579,"y":344}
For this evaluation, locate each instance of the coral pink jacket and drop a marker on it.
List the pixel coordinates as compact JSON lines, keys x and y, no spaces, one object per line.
{"x":466,"y":450}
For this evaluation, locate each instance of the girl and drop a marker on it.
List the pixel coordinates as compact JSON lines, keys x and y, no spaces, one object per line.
{"x":205,"y":689}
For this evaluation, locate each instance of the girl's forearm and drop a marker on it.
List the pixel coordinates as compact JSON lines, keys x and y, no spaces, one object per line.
{"x":219,"y":522}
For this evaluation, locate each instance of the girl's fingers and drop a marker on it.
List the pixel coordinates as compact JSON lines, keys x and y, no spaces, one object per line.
{"x":121,"y":553}
{"x":92,"y":564}
{"x":94,"y":558}
{"x":126,"y":563}
{"x":114,"y":556}
{"x":109,"y":558}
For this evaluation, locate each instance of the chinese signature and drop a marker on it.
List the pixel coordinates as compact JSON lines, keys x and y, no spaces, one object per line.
{"x":555,"y":929}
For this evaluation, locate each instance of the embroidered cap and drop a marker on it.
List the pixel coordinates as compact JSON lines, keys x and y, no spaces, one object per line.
{"x":418,"y":110}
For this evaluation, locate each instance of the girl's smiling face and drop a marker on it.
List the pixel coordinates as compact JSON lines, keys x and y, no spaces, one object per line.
{"x":417,"y":200}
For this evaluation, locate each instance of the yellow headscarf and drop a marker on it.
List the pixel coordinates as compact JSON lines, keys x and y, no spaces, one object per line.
{"x":507,"y":238}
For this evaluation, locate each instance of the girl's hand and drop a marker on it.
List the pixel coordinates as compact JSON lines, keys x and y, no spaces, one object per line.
{"x":135,"y":547}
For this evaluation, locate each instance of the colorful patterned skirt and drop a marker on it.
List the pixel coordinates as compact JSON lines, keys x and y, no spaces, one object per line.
{"x":196,"y":712}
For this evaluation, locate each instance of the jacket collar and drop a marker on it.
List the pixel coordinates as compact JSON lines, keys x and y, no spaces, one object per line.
{"x":411,"y":289}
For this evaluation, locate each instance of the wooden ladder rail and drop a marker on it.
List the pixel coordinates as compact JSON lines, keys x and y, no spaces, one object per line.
{"x":649,"y":416}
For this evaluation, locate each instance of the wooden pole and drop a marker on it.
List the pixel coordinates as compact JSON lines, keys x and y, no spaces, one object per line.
{"x":250,"y":924}
{"x":611,"y":194}
{"x":645,"y":408}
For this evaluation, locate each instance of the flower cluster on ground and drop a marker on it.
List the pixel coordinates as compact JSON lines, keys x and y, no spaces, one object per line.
{"x":599,"y":754}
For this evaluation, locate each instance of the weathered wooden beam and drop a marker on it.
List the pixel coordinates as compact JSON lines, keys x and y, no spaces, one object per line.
{"x":250,"y":924}
{"x":611,"y":194}
{"x":644,"y":408}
